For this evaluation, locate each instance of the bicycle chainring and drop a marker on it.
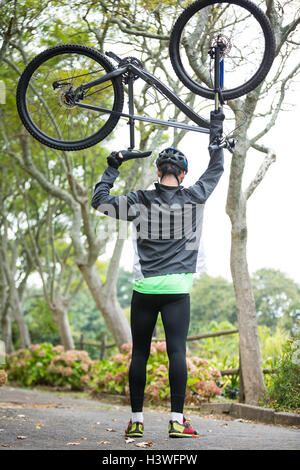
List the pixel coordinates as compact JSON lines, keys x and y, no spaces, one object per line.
{"x":130,"y":60}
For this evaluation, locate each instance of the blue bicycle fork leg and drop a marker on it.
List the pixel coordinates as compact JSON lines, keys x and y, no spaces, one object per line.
{"x":219,"y":78}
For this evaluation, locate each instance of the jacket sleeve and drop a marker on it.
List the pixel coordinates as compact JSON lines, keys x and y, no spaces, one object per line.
{"x":119,"y":207}
{"x":207,"y":182}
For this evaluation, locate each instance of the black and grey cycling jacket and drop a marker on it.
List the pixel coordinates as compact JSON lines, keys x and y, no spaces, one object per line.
{"x":167,"y":220}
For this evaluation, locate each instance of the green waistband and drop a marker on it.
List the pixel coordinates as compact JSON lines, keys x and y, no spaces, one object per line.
{"x":166,"y":284}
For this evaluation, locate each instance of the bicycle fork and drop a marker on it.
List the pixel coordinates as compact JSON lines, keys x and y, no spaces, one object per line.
{"x":215,"y":53}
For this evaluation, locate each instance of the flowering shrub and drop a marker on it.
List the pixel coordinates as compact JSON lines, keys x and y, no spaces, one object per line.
{"x":111,"y":376}
{"x":29,"y":366}
{"x":50,"y":365}
{"x":71,"y":368}
{"x":3,"y":377}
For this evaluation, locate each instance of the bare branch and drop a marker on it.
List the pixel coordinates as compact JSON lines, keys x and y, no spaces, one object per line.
{"x":268,"y":160}
{"x":278,"y":107}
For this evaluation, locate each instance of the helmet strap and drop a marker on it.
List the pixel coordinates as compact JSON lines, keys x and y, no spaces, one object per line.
{"x":170,"y":170}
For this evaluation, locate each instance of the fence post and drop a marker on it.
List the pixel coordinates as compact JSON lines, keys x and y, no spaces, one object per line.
{"x":81,"y":342}
{"x":103,"y":344}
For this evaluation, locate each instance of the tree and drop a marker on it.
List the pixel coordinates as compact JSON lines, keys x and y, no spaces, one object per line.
{"x":212,"y":298}
{"x":277,"y":298}
{"x":124,"y":287}
{"x":13,"y":278}
{"x":57,"y":172}
{"x":282,"y":76}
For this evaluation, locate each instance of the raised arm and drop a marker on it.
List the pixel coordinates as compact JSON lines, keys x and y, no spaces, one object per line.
{"x":207,"y":182}
{"x":103,"y":201}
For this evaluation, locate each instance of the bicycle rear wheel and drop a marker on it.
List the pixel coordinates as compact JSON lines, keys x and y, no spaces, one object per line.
{"x":247,"y":34}
{"x":42,"y":97}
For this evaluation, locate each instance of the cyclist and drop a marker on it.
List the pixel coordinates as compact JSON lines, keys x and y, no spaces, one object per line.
{"x":166,"y":255}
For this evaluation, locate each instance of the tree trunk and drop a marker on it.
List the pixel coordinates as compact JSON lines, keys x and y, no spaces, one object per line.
{"x":18,"y":315}
{"x":60,"y":311}
{"x":108,"y":304}
{"x":249,"y":343}
{"x":7,"y":331}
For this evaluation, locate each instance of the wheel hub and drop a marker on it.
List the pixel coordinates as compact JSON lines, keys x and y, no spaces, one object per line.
{"x":223,"y":42}
{"x":65,"y":97}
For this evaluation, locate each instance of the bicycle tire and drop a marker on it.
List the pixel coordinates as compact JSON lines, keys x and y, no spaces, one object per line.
{"x":41,"y":136}
{"x":249,"y":85}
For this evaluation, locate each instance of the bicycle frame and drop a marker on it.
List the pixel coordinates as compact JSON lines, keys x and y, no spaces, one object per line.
{"x":132,"y":71}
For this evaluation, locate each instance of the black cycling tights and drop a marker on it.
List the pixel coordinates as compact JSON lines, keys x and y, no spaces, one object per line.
{"x":175,"y":313}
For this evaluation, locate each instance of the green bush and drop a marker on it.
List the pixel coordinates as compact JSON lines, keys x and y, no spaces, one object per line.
{"x":111,"y":376}
{"x":284,"y":386}
{"x":29,"y":366}
{"x":44,"y":364}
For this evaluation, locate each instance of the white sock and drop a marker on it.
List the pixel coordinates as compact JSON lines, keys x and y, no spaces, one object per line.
{"x":137,"y":417}
{"x":177,"y":417}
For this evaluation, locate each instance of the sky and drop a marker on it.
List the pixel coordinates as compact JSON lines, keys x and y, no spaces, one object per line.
{"x":272,"y":210}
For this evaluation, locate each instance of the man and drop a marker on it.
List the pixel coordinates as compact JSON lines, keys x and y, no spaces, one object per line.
{"x":168,"y":223}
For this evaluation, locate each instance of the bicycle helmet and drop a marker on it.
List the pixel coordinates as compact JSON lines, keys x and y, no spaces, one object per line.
{"x":171,"y":157}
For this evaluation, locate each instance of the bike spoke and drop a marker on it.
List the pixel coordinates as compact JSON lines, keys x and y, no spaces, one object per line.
{"x":241,"y":30}
{"x":49,"y":108}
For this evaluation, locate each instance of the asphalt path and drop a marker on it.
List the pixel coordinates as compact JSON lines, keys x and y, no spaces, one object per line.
{"x":39,"y":420}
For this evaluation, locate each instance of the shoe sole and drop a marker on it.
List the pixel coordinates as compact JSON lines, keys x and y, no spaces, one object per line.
{"x":133,"y":435}
{"x":183,"y":435}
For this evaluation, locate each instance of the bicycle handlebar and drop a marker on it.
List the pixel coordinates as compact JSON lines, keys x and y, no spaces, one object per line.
{"x":129,"y":155}
{"x":228,"y":144}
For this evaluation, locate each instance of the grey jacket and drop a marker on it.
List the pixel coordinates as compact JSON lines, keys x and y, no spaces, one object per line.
{"x":167,"y":220}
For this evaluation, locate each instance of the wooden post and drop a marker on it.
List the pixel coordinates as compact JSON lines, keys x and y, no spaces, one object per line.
{"x":81,"y":342}
{"x":103,"y":344}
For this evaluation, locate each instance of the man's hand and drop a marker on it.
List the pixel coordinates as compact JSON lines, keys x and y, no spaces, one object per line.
{"x":115,"y":159}
{"x":216,"y":126}
{"x":217,"y":115}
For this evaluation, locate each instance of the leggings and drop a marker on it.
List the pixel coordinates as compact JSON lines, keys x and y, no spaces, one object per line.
{"x":175,"y":313}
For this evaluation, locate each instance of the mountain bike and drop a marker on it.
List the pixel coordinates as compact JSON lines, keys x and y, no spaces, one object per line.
{"x":70,"y":97}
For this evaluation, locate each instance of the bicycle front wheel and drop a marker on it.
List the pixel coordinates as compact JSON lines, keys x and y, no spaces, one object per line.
{"x":245,"y":31}
{"x":47,"y":112}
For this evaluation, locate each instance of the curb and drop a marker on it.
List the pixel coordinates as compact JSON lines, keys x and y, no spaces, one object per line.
{"x":251,"y":412}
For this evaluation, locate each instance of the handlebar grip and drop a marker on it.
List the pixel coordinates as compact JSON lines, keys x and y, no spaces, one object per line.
{"x":128,"y":155}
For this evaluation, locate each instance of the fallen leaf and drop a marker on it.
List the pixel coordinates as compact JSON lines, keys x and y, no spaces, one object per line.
{"x":98,"y":422}
{"x":144,"y":444}
{"x":73,"y":444}
{"x":4,"y":445}
{"x":39,"y":425}
{"x":223,"y":425}
{"x":114,"y":419}
{"x":110,"y":430}
{"x":84,"y":438}
{"x":21,"y":416}
{"x":21,"y":437}
{"x":103,"y":442}
{"x":128,"y":440}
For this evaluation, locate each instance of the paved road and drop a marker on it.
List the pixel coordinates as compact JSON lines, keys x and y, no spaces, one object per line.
{"x":31,"y":419}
